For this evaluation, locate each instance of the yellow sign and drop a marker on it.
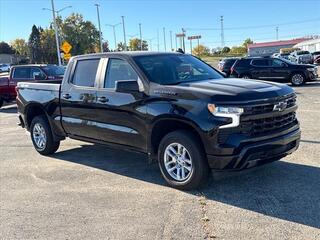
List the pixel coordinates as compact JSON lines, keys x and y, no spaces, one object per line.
{"x":66,"y":47}
{"x":67,"y":56}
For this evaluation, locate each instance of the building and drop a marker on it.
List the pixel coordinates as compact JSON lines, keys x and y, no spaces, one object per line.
{"x":269,"y":48}
{"x":312,"y":45}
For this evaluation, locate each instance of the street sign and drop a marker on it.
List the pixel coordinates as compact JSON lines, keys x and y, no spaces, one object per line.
{"x":66,"y":47}
{"x":180,"y":35}
{"x":194,"y":37}
{"x":67,"y":56}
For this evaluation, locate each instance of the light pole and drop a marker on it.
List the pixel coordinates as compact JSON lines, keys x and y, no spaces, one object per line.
{"x":114,"y":33}
{"x":171,"y":40}
{"x":97,"y":5}
{"x":56,"y":28}
{"x":124,"y":34}
{"x":140,"y":36}
{"x":164,"y":39}
{"x":183,"y":44}
{"x":158,"y":40}
{"x":176,"y":42}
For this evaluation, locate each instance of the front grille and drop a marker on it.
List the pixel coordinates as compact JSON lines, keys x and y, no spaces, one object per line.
{"x":268,"y":107}
{"x":252,"y":125}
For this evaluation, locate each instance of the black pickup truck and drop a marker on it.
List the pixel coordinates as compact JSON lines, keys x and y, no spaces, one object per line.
{"x":171,"y":106}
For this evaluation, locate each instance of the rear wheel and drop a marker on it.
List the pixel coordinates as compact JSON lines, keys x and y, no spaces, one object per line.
{"x":297,"y":79}
{"x":182,"y":160}
{"x":41,"y":136}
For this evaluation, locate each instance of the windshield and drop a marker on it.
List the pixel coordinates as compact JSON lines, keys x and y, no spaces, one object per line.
{"x":174,"y":68}
{"x":286,"y":60}
{"x":53,"y":70}
{"x":302,"y":52}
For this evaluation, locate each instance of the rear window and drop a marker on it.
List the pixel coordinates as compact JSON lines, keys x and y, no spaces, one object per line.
{"x":85,"y":72}
{"x":53,"y":70}
{"x":21,"y":72}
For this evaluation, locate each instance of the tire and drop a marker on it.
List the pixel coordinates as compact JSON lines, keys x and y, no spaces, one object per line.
{"x":41,"y":136}
{"x":196,"y":173}
{"x":1,"y":102}
{"x":297,"y":79}
{"x":246,"y":76}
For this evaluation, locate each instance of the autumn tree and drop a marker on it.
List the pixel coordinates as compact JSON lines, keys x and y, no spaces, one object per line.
{"x":134,"y":45}
{"x":201,"y":50}
{"x":20,"y":46}
{"x":247,"y":42}
{"x":48,"y":46}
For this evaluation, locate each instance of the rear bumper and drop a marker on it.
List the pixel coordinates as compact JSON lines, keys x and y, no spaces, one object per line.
{"x":258,"y":153}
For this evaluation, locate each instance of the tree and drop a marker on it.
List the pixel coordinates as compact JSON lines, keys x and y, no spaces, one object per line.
{"x":121,"y":47}
{"x":201,"y":50}
{"x":238,"y":50}
{"x":225,"y":50}
{"x":105,"y":46}
{"x":6,"y":48}
{"x":134,"y":44}
{"x":20,"y":46}
{"x":81,"y":34}
{"x":34,"y":45}
{"x":247,"y":42}
{"x":48,"y":46}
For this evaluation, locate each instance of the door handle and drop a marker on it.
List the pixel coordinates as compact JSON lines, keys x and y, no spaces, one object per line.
{"x":66,"y":96}
{"x":103,"y":99}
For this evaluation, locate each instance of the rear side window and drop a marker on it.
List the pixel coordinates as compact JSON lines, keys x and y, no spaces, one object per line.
{"x":21,"y":73}
{"x":117,"y":70}
{"x":242,"y":63}
{"x":85,"y":72}
{"x":260,"y":62}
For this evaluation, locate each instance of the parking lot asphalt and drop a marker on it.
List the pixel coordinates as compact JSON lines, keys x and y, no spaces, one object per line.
{"x":88,"y":191}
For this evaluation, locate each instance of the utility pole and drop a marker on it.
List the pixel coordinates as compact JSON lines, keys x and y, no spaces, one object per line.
{"x":124,"y":34}
{"x":140,"y":36}
{"x":277,"y":33}
{"x":158,"y":40}
{"x":164,"y":39}
{"x":176,"y":42}
{"x":190,"y":46}
{"x":56,"y":32}
{"x":183,"y":43}
{"x":222,"y":32}
{"x":100,"y":37}
{"x":171,"y":40}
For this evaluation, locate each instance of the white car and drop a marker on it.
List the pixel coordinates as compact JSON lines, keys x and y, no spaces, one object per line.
{"x":4,"y":67}
{"x":301,"y":57}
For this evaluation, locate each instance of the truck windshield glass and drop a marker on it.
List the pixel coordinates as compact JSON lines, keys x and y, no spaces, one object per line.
{"x":54,"y":70}
{"x":174,"y":69}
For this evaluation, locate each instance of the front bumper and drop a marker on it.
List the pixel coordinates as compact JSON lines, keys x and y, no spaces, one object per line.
{"x":257,"y":153}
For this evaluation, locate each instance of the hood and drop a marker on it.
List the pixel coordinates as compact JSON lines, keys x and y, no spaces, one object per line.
{"x":234,"y":90}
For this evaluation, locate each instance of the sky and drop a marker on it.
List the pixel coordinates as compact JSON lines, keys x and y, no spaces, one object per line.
{"x":255,"y":19}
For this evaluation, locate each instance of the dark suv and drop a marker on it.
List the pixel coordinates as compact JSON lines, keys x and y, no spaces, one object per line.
{"x":226,"y":64}
{"x":274,"y":69}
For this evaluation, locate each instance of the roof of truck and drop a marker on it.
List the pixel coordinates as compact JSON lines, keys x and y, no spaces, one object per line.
{"x":129,"y":53}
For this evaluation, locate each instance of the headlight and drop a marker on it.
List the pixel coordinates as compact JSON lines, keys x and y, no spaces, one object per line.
{"x":311,"y":69}
{"x":228,"y":112}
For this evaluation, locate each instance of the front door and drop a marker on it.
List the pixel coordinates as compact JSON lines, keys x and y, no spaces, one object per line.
{"x":120,"y":115}
{"x":279,"y":70}
{"x":261,"y":69}
{"x":78,"y":99}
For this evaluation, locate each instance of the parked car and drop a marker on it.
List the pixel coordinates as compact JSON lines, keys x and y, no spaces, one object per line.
{"x":171,"y":106}
{"x":27,"y":73}
{"x":4,"y":67}
{"x":315,"y":54}
{"x":275,"y":69}
{"x":301,"y":57}
{"x":226,"y":65}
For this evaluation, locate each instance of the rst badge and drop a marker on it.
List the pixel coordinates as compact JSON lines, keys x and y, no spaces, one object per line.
{"x":280,"y":106}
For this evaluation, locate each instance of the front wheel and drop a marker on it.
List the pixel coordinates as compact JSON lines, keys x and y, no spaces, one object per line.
{"x":182,"y":160}
{"x":297,"y":79}
{"x":41,"y":136}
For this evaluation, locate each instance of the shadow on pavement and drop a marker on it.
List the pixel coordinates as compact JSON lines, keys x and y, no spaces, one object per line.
{"x":282,"y":190}
{"x":9,"y":109}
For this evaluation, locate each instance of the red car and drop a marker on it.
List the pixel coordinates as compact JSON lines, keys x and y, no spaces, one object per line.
{"x":27,"y":73}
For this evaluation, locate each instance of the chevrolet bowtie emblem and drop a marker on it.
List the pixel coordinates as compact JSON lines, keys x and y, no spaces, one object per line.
{"x":280,"y":106}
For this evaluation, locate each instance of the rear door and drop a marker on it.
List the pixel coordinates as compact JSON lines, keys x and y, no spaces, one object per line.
{"x":261,"y":68}
{"x":78,"y":99}
{"x":120,"y":116}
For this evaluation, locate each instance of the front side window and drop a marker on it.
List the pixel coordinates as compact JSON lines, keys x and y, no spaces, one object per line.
{"x":85,"y":72}
{"x":277,"y":63}
{"x":174,"y":69}
{"x":22,"y":73}
{"x":118,"y":70}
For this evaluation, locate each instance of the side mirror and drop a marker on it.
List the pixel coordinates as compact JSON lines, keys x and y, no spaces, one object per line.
{"x":127,"y":86}
{"x":38,"y":77}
